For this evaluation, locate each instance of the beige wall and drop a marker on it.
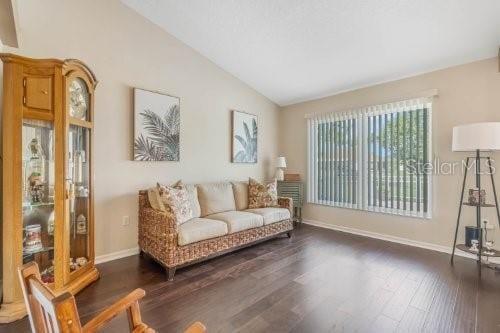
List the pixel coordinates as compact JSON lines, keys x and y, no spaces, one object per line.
{"x":467,"y":93}
{"x":8,"y":28}
{"x":125,"y":50}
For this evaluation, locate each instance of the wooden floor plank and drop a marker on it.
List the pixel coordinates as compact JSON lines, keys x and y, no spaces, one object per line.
{"x":413,"y":321}
{"x":440,"y":313}
{"x":488,"y":302}
{"x":384,"y":324}
{"x":399,"y":303}
{"x":464,"y":312}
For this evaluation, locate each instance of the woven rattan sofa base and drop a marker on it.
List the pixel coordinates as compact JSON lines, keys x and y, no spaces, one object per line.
{"x":158,"y":238}
{"x":209,"y":249}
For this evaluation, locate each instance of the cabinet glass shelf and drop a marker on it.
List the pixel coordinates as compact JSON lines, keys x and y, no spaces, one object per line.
{"x":36,"y":205}
{"x":45,"y":249}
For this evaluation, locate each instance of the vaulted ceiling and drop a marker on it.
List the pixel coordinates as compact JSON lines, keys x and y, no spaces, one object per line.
{"x":297,"y":50}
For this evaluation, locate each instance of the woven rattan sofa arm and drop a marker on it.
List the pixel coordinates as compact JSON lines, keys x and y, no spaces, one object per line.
{"x":287,"y":203}
{"x":157,"y":232}
{"x":165,"y":219}
{"x":149,"y":215}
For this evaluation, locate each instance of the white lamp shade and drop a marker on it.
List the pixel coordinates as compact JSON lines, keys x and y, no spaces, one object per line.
{"x":471,"y":137}
{"x":281,"y":162}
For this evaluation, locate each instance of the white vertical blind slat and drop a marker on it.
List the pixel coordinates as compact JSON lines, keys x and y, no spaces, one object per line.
{"x":315,"y":158}
{"x":330,"y":158}
{"x":321,"y":146}
{"x":309,"y":178}
{"x":363,"y":154}
{"x":341,"y":159}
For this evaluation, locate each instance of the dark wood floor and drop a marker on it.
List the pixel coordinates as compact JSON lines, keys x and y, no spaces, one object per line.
{"x":317,"y":281}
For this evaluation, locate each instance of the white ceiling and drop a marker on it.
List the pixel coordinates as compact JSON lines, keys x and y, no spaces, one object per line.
{"x":297,"y":50}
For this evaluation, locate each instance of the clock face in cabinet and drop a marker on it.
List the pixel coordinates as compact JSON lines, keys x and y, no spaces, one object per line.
{"x":79,"y":99}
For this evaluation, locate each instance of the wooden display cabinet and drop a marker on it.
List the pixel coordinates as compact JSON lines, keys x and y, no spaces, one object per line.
{"x":47,"y":194}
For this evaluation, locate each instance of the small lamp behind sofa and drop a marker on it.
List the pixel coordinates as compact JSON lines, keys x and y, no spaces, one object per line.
{"x":280,"y":165}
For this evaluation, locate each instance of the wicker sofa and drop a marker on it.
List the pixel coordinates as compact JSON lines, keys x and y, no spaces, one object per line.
{"x":222,"y":223}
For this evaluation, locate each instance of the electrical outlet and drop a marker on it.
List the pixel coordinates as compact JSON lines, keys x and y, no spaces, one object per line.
{"x":488,"y":225}
{"x":125,"y":221}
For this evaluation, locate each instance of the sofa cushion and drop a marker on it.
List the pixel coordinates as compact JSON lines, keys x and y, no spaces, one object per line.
{"x":156,"y":202}
{"x":240,"y":190}
{"x":262,"y":195}
{"x":239,"y":221}
{"x":199,"y":229}
{"x":177,"y":199}
{"x":193,"y":199}
{"x":154,"y":199}
{"x":271,"y":214}
{"x":215,"y":198}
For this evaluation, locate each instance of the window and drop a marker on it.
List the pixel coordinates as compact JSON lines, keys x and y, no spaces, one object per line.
{"x":376,"y":158}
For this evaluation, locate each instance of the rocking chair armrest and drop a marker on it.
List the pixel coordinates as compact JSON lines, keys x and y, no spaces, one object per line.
{"x":196,"y":327}
{"x":129,"y":302}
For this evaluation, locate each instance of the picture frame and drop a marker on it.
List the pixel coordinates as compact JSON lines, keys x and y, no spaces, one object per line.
{"x":244,"y":137}
{"x":156,"y":126}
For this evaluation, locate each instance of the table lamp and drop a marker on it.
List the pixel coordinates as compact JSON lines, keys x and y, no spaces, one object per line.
{"x":280,"y":165}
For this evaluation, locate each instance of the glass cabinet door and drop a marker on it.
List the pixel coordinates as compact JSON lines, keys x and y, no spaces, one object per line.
{"x":78,"y":169}
{"x":38,"y":195}
{"x":78,"y":174}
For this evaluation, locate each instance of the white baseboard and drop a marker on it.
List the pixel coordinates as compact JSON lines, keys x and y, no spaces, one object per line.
{"x":393,"y":239}
{"x":116,"y":255}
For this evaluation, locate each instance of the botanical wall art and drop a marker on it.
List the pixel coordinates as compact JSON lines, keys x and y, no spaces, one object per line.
{"x":156,"y":126}
{"x":244,"y":137}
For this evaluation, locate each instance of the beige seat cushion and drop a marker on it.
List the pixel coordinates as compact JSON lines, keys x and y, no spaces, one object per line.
{"x":271,"y":214}
{"x":239,"y":221}
{"x":240,"y":190}
{"x":199,"y":229}
{"x":215,"y":198}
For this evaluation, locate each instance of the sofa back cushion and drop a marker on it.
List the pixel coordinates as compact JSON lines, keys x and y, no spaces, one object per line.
{"x":216,"y":198}
{"x":193,"y":199}
{"x":154,"y":199}
{"x":240,"y":190}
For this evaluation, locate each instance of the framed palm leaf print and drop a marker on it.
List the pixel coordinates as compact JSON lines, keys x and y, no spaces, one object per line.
{"x":244,"y":140}
{"x":156,"y":126}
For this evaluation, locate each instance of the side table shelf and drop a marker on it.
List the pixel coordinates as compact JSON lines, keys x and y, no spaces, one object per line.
{"x":463,"y":247}
{"x":483,"y":205}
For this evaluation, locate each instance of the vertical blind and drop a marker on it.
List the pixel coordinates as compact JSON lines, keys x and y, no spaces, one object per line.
{"x":375,"y":158}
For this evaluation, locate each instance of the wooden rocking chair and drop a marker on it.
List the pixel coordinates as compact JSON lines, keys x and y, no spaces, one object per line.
{"x":51,"y":313}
